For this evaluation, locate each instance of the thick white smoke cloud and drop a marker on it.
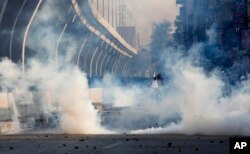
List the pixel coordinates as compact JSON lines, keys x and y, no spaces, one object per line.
{"x":191,"y":103}
{"x":63,"y":89}
{"x":198,"y":98}
{"x":203,"y":109}
{"x":65,"y":92}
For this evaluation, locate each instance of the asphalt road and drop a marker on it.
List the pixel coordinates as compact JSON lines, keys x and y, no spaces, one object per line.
{"x":113,"y":144}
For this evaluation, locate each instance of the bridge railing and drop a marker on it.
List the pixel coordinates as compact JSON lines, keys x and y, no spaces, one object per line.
{"x":105,"y":24}
{"x":109,"y":35}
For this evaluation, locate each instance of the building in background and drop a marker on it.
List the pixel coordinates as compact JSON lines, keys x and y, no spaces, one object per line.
{"x":198,"y":16}
{"x":126,"y":26}
{"x":248,"y":13}
{"x":230,"y":19}
{"x":118,"y":15}
{"x":246,"y":40}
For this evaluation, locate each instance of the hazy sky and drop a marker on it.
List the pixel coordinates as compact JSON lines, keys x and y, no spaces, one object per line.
{"x":148,"y":12}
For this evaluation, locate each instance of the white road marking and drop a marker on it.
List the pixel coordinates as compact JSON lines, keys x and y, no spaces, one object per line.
{"x":112,"y":145}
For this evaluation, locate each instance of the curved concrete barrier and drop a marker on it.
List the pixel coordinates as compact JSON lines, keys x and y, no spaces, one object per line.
{"x":7,"y":110}
{"x":9,"y":127}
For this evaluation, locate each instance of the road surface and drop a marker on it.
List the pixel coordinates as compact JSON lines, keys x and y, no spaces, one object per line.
{"x":113,"y":144}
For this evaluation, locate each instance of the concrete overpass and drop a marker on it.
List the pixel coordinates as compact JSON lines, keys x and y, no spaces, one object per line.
{"x":99,"y":48}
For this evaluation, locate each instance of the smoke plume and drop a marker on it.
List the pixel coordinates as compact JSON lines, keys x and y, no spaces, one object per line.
{"x":191,"y":102}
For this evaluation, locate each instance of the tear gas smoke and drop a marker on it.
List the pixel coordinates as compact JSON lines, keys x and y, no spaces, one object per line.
{"x":191,"y":102}
{"x":63,"y":90}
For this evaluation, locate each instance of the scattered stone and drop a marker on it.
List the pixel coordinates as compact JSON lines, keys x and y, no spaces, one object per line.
{"x":169,"y":144}
{"x":94,"y":147}
{"x":76,"y":147}
{"x":179,"y":149}
{"x":64,"y":145}
{"x":81,"y":140}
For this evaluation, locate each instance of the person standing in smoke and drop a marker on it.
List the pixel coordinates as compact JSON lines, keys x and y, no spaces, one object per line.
{"x":159,"y":79}
{"x":155,"y":83}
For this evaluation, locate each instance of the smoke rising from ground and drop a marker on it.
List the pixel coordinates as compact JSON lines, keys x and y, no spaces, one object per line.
{"x":198,"y":100}
{"x":63,"y":90}
{"x":191,"y":102}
